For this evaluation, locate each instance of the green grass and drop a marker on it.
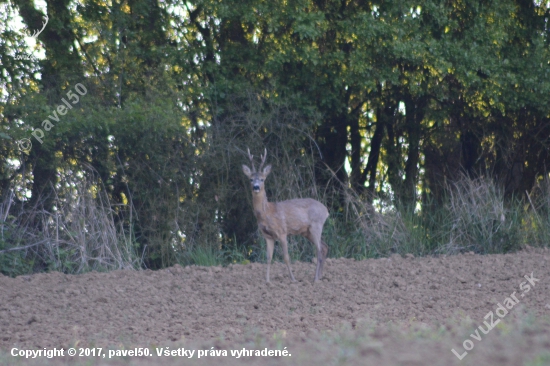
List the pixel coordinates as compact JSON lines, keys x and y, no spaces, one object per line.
{"x":205,"y":256}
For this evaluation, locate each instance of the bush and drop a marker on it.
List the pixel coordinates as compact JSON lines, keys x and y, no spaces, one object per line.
{"x":81,"y":235}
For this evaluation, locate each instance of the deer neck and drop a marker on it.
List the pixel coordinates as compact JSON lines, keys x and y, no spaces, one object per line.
{"x":261,"y":205}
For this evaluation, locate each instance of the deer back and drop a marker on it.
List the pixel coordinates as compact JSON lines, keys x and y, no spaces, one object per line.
{"x":301,"y":213}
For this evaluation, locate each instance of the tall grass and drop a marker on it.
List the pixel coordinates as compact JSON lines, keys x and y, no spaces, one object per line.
{"x":82,"y":233}
{"x":474,"y":216}
{"x":536,"y":222}
{"x":481,"y":219}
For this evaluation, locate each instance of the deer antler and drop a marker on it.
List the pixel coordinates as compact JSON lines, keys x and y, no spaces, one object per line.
{"x":37,"y":32}
{"x":263,"y":159}
{"x":251,"y":157}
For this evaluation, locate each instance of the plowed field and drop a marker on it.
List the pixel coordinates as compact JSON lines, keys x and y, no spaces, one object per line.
{"x":402,"y":311}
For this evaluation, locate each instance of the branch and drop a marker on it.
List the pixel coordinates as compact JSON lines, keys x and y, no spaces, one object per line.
{"x":25,"y":247}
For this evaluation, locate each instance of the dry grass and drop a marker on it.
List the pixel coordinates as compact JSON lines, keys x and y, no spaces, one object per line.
{"x":82,"y":234}
{"x":481,"y":219}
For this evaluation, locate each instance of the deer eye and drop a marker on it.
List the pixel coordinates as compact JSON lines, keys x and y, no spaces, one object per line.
{"x":261,"y":180}
{"x":251,"y":180}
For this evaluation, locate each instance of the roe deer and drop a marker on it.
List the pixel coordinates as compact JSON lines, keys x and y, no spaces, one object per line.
{"x":276,"y":220}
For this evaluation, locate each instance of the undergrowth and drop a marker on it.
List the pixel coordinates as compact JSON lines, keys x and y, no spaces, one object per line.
{"x":84,"y":233}
{"x":476,"y":217}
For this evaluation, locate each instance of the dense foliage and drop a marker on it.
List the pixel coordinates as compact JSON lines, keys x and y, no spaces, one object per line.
{"x":370,"y":106}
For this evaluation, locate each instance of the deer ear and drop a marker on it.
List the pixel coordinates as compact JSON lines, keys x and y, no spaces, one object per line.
{"x":267,"y":170}
{"x":246,"y":170}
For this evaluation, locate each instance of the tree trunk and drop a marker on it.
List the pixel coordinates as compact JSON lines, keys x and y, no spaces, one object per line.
{"x":374,"y":156}
{"x":413,"y":119}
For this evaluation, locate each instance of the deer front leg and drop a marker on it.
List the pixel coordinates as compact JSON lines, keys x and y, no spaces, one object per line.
{"x":270,"y":246}
{"x":284,"y":244}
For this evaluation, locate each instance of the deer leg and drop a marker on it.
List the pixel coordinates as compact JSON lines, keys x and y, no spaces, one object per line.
{"x":270,"y":247}
{"x":284,"y":244}
{"x":314,"y":236}
{"x":324,"y":251}
{"x":319,"y":268}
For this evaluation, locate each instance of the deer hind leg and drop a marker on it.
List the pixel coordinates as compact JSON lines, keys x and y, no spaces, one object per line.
{"x":324,"y":251}
{"x":314,"y":236}
{"x":270,"y":246}
{"x":284,"y":244}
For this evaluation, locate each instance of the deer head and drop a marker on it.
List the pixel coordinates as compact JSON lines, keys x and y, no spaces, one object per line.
{"x":257,"y":178}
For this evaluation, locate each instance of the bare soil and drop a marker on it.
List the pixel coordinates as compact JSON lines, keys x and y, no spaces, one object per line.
{"x":358,"y":305}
